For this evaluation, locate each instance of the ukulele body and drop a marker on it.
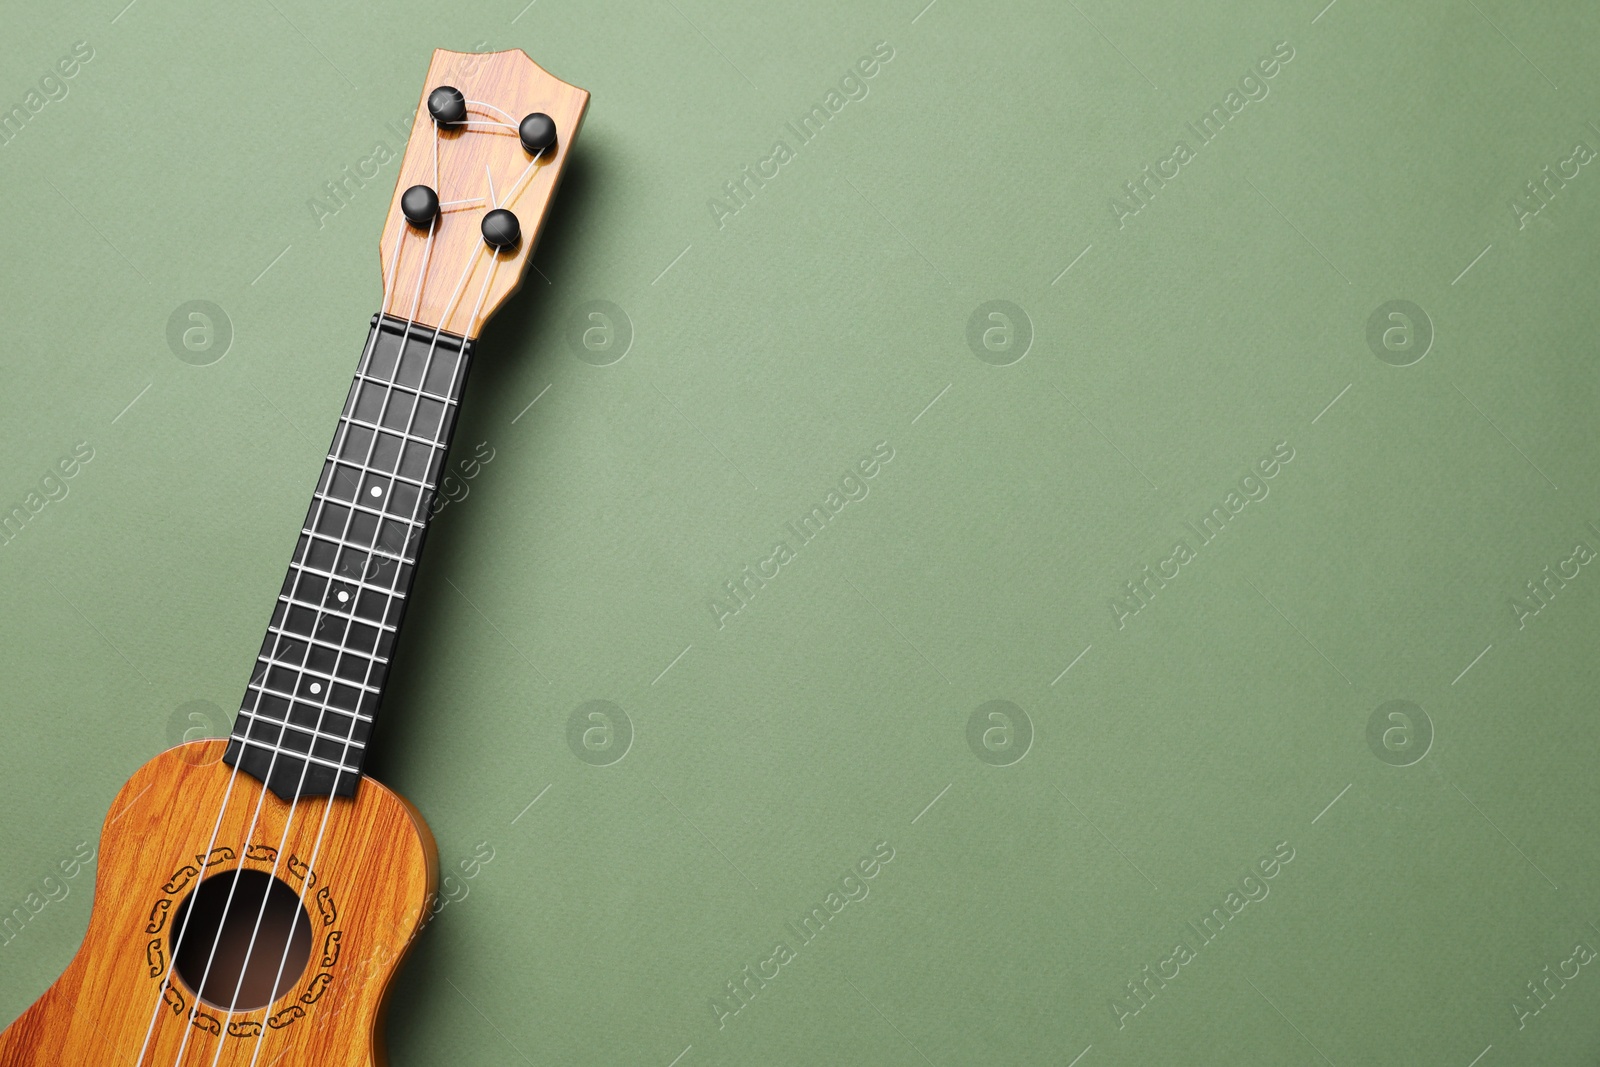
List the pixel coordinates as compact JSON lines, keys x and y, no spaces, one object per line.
{"x":338,"y":885}
{"x":371,"y":884}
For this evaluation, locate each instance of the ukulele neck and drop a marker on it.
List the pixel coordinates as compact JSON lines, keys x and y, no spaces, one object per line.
{"x":318,"y":682}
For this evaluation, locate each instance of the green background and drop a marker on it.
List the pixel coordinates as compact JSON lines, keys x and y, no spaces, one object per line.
{"x":767,"y":357}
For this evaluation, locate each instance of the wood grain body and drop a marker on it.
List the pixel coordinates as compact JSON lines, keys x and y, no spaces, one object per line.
{"x":454,"y":272}
{"x":370,"y":889}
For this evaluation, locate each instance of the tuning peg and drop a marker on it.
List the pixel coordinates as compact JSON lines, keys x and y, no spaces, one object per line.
{"x":538,"y":132}
{"x":500,"y":228}
{"x":447,"y":105}
{"x":420,"y":205}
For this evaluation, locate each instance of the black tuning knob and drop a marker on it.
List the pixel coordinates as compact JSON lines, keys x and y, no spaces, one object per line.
{"x":500,"y":228}
{"x":447,"y":105}
{"x":420,"y":205}
{"x":538,"y":132}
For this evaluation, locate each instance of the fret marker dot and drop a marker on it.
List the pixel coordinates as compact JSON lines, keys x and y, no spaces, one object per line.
{"x":343,"y":596}
{"x":376,"y":491}
{"x":316,"y":687}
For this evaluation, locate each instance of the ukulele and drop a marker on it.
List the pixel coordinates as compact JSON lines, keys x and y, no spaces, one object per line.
{"x":255,"y":895}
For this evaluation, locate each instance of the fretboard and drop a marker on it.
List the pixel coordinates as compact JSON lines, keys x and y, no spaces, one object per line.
{"x":309,"y":710}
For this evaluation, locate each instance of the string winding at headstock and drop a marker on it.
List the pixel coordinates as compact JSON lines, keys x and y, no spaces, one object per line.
{"x":487,"y":150}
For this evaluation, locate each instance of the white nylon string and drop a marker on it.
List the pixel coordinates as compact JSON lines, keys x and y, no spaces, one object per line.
{"x":494,"y":261}
{"x":327,"y":810}
{"x":422,"y":503}
{"x":155,"y":1012}
{"x":516,"y":186}
{"x":227,"y":906}
{"x":322,"y":711}
{"x":490,"y":107}
{"x":177,"y":944}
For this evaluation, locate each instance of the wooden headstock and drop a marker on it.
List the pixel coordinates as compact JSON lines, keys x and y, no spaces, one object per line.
{"x":443,"y":272}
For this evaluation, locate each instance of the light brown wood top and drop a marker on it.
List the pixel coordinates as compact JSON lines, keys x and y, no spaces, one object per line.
{"x":455,"y":272}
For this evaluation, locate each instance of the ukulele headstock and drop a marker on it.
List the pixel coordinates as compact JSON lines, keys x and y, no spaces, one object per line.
{"x":486,"y":152}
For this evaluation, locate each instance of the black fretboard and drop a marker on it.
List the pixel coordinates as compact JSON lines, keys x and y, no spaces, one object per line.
{"x":309,"y":709}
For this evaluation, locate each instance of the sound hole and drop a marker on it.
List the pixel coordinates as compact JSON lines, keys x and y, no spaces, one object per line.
{"x":207,"y":917}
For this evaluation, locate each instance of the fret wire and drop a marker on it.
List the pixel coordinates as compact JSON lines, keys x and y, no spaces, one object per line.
{"x":451,"y":401}
{"x":361,"y":583}
{"x":358,"y":582}
{"x":286,"y":599}
{"x":353,"y":421}
{"x":279,"y":722}
{"x":354,"y":583}
{"x":305,"y":729}
{"x":316,"y":735}
{"x":316,"y":674}
{"x":399,"y":336}
{"x":425,"y":485}
{"x":363,"y":507}
{"x":258,"y":743}
{"x":280,"y":632}
{"x":264,"y":687}
{"x":396,"y":387}
{"x":370,"y":550}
